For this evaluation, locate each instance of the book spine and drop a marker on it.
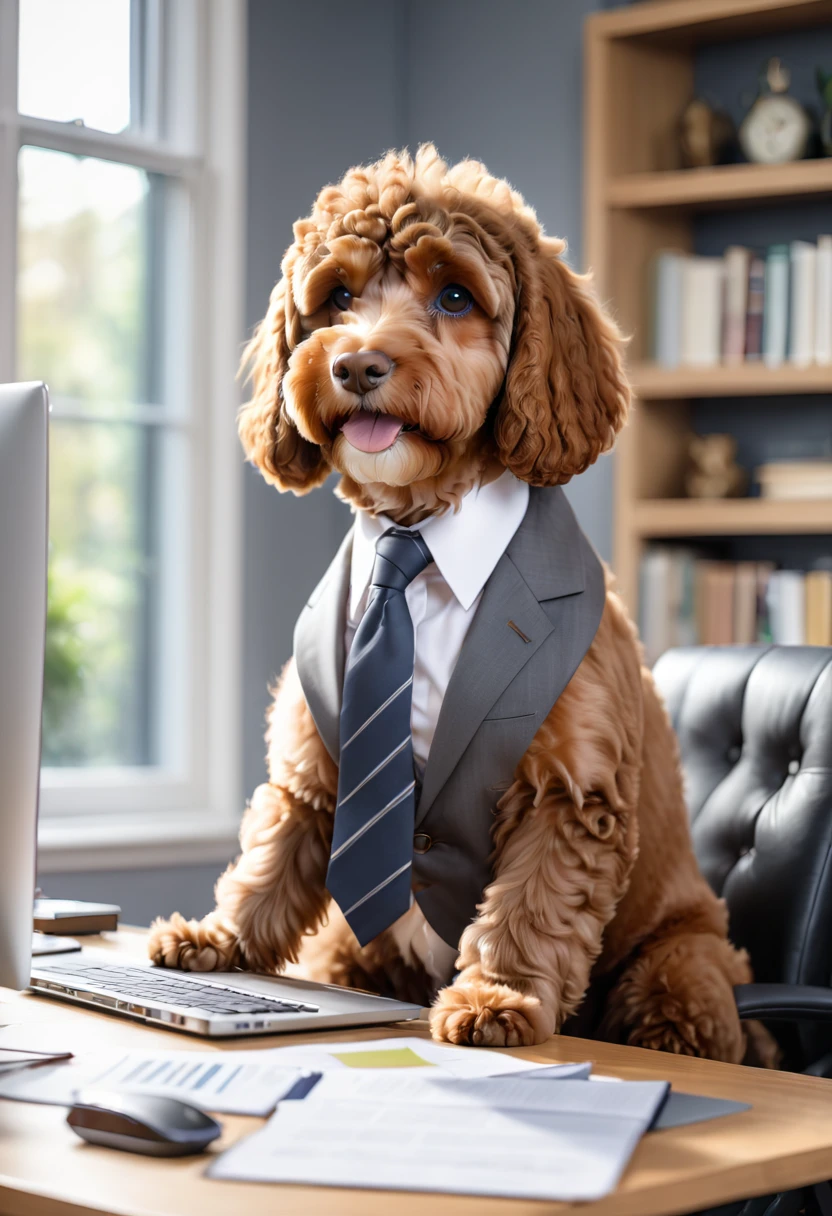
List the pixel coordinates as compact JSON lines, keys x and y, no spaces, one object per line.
{"x":702,"y":311}
{"x":737,"y":259}
{"x":653,"y":602}
{"x":787,"y":607}
{"x":819,"y":608}
{"x":776,"y":305}
{"x":745,"y":604}
{"x":667,"y":308}
{"x":823,"y":302}
{"x":754,"y":311}
{"x":802,"y":333}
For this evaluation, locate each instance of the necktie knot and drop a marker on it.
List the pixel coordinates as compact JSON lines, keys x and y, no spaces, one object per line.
{"x":400,"y":556}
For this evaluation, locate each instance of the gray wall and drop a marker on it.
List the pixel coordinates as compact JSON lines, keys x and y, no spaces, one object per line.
{"x":491,"y":79}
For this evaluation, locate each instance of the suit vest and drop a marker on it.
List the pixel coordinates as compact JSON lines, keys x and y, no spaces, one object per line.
{"x":538,"y":614}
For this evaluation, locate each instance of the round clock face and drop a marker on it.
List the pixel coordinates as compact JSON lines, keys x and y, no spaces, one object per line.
{"x":775,"y":130}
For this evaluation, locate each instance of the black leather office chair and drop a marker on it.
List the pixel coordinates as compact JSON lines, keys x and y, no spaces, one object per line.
{"x":755,"y":731}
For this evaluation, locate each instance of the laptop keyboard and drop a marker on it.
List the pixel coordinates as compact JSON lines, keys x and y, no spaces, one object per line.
{"x":147,"y":984}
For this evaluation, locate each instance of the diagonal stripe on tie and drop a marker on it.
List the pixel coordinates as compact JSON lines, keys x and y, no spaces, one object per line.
{"x":378,"y":768}
{"x":372,"y":844}
{"x":378,"y":711}
{"x":394,"y":802}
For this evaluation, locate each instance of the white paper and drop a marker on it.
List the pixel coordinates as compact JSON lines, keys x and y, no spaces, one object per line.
{"x":636,"y":1100}
{"x":508,"y":1136}
{"x":456,"y":1061}
{"x":225,"y":1082}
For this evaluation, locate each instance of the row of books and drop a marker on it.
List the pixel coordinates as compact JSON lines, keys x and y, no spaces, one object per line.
{"x":795,"y":479}
{"x":774,"y":306}
{"x":686,"y":600}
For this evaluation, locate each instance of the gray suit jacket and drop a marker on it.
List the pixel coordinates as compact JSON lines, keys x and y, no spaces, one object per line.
{"x":550,"y":584}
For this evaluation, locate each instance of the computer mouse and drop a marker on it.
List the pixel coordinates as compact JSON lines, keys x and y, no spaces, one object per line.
{"x":141,"y":1123}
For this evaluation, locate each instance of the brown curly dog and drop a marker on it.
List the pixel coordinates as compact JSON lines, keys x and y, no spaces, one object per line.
{"x":596,"y":903}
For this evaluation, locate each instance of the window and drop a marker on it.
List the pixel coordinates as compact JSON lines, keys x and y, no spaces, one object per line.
{"x":120,"y":212}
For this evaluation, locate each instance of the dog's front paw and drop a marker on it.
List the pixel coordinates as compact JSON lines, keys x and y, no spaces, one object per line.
{"x":486,"y":1014}
{"x":192,"y":945}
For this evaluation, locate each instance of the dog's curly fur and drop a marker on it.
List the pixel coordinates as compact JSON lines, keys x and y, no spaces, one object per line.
{"x":596,"y":900}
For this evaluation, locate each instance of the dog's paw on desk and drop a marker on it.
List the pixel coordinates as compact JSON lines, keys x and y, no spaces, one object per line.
{"x":483,"y":1014}
{"x":192,"y":945}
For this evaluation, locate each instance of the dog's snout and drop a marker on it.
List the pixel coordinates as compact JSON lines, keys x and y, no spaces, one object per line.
{"x":362,"y":370}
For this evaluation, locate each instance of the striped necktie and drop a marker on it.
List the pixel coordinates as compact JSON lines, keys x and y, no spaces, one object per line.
{"x":372,"y":841}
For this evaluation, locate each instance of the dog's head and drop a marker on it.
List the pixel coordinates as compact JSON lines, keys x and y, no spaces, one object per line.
{"x":423,"y":332}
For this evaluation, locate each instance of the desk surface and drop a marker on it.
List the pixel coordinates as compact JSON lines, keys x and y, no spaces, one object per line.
{"x":784,"y":1141}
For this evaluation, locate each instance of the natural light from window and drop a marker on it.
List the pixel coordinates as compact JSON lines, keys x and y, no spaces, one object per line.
{"x":83,"y":326}
{"x":74,"y":62}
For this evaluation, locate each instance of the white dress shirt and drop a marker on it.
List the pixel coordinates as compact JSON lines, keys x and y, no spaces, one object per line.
{"x":466,"y":546}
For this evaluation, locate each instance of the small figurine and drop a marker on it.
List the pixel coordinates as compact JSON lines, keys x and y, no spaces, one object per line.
{"x":713,"y":470}
{"x":707,"y":135}
{"x":777,"y":127}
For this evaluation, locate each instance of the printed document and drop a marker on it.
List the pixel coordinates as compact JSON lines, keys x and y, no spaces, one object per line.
{"x":407,"y":1130}
{"x":225,"y":1082}
{"x":406,"y":1052}
{"x":248,"y":1082}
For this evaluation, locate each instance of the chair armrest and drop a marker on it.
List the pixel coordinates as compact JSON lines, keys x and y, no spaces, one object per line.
{"x":784,"y":1002}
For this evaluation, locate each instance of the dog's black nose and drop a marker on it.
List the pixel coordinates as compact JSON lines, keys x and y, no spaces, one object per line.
{"x":361,"y":370}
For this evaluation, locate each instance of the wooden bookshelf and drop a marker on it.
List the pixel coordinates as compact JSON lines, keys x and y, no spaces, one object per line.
{"x":748,"y":379}
{"x":707,"y":189}
{"x":639,"y":74}
{"x":671,"y":517}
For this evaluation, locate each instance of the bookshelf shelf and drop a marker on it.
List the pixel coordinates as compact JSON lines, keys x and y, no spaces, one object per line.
{"x":702,"y":189}
{"x":674,"y":517}
{"x":685,"y":23}
{"x":749,"y":379}
{"x":640,"y":73}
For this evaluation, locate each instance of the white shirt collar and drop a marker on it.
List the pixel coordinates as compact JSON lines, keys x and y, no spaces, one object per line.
{"x":466,"y":544}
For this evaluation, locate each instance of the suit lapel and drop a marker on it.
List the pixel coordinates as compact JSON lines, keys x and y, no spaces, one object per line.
{"x":542,"y":562}
{"x":319,"y":647}
{"x":491,"y":656}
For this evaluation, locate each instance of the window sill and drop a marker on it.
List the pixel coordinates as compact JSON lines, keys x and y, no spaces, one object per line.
{"x":73,"y":843}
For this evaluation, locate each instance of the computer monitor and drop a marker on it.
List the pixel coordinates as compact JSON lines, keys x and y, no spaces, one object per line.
{"x":23,"y":544}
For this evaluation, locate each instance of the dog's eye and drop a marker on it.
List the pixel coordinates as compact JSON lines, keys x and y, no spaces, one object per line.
{"x":341,"y":298}
{"x":454,"y":300}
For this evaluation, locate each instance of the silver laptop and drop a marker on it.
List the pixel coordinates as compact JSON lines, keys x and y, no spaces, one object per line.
{"x":214,"y":1004}
{"x":217,"y":1004}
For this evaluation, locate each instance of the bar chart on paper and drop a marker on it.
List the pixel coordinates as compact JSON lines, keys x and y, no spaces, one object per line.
{"x":232,"y":1082}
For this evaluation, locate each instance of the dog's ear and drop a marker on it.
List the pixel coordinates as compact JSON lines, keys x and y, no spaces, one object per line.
{"x":566,"y":395}
{"x":270,"y":439}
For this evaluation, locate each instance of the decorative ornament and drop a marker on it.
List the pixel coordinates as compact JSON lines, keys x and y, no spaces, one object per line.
{"x":777,"y":128}
{"x":707,"y":135}
{"x":713,"y":471}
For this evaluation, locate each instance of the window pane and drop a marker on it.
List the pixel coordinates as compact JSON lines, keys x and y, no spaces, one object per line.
{"x":74,"y":62}
{"x":101,"y":585}
{"x":89,"y":323}
{"x":84,"y":258}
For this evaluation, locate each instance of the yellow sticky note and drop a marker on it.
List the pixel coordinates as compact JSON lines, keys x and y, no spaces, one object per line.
{"x":395,"y":1057}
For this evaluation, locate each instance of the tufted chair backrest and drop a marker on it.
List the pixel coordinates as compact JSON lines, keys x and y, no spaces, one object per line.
{"x":754,"y":725}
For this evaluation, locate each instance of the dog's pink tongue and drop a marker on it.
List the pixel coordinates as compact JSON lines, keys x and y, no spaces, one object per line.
{"x":371,"y":432}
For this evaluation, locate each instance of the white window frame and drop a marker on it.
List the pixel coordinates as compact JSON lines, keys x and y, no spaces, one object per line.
{"x":129,"y":817}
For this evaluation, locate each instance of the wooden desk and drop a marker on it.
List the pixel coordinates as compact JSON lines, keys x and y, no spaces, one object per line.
{"x":784,"y":1141}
